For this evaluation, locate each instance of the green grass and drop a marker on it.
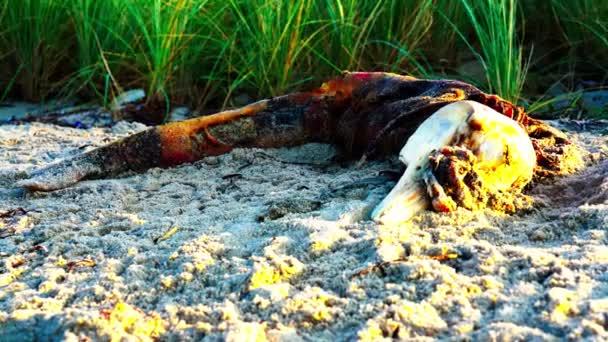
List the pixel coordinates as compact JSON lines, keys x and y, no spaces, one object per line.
{"x":96,"y":36}
{"x":160,"y":33}
{"x":268,"y":41}
{"x":494,"y":24}
{"x":580,"y":18}
{"x":32,"y":41}
{"x":206,"y":53}
{"x":584,"y":25}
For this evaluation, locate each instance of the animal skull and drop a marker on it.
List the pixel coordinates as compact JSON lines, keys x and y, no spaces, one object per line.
{"x":460,"y":155}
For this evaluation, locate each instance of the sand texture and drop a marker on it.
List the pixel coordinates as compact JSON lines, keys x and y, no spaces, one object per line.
{"x":277,"y":245}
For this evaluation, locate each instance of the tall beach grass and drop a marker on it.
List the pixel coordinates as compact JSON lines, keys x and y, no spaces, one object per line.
{"x":494,"y":24}
{"x":33,"y":45}
{"x":206,"y":53}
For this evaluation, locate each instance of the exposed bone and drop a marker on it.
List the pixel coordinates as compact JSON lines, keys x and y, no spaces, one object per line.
{"x":501,"y":153}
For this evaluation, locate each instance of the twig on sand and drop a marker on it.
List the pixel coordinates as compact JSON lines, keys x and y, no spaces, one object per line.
{"x":83,"y":262}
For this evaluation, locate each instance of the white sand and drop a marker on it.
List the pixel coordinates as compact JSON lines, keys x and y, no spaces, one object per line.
{"x":251,"y":245}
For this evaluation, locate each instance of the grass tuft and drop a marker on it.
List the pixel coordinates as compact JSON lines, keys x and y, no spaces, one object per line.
{"x":214,"y":53}
{"x":33,"y":45}
{"x":494,"y":24}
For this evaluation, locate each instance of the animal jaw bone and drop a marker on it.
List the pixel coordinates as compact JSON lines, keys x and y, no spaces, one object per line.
{"x":497,"y":150}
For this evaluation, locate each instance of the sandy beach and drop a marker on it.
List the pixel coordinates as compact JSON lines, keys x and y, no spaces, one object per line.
{"x":277,"y":245}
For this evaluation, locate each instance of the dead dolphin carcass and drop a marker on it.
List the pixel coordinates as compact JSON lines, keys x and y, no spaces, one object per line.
{"x":365,"y":114}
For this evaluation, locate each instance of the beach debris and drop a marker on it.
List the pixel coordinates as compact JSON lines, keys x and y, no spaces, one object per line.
{"x":365,"y":114}
{"x":129,"y":97}
{"x":130,"y":105}
{"x":167,"y":235}
{"x":16,"y":111}
{"x":444,"y":254}
{"x":82,"y":262}
{"x":18,"y":261}
{"x":85,"y":116}
{"x":466,"y":154}
{"x":232,"y":176}
{"x":9,"y":222}
{"x":38,"y":248}
{"x":13,"y":212}
{"x":180,"y":114}
{"x":134,"y":105}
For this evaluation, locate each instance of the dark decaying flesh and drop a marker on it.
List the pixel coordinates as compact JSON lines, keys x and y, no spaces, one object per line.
{"x":453,"y":181}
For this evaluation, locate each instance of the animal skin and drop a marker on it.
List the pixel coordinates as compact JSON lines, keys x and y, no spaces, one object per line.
{"x":365,"y":114}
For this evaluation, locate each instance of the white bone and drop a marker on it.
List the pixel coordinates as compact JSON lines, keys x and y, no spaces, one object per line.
{"x":502,"y":147}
